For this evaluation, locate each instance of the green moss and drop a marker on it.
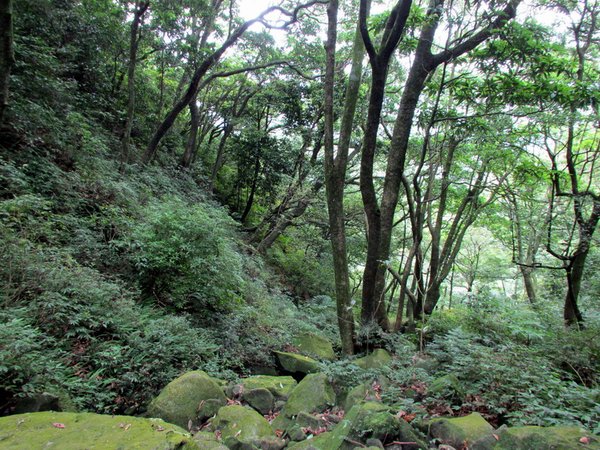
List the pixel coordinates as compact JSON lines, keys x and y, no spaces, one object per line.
{"x":241,"y":425}
{"x":376,"y":360}
{"x":293,"y":363}
{"x":361,"y":393}
{"x":193,"y":396}
{"x":260,"y":399}
{"x":460,"y":430}
{"x":280,"y":387}
{"x":36,"y":431}
{"x":313,"y":394}
{"x":208,"y":441}
{"x":555,"y":438}
{"x":310,"y":344}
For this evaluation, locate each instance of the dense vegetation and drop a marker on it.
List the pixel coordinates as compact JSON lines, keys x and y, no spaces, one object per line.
{"x":180,"y":189}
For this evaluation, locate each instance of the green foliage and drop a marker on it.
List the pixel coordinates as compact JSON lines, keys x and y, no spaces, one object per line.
{"x":186,"y":258}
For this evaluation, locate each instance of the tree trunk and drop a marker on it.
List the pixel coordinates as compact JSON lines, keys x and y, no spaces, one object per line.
{"x":529,"y":283}
{"x":250,"y":200}
{"x":571,"y":313}
{"x":190,"y":146}
{"x":134,"y":41}
{"x":7,"y":57}
{"x":335,"y":173}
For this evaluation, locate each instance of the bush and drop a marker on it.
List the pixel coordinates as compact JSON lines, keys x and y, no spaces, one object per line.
{"x":186,"y":257}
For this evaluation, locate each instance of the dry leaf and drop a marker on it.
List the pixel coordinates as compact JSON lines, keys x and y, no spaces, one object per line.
{"x":496,"y":437}
{"x":58,"y":425}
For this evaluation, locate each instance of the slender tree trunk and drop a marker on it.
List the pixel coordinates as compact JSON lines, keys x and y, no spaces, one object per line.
{"x":250,"y":200}
{"x":134,"y":41}
{"x":7,"y":57}
{"x":335,"y":172}
{"x":529,"y":283}
{"x":190,"y":146}
{"x":571,"y":312}
{"x":221,"y":152}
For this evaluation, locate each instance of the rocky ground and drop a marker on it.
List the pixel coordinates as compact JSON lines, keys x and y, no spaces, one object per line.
{"x":196,"y":411}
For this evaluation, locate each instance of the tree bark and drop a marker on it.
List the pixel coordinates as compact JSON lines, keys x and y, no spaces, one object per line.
{"x":134,"y":41}
{"x":7,"y":57}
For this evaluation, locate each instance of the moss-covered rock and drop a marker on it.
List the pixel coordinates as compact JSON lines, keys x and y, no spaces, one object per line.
{"x":280,"y":387}
{"x":242,"y":427}
{"x":448,"y":386}
{"x":310,"y":344}
{"x":460,"y":431}
{"x":208,"y":441}
{"x":376,"y":360}
{"x":77,"y":431}
{"x":368,"y":421}
{"x":551,"y":438}
{"x":295,"y":363}
{"x":361,"y":393}
{"x":313,"y":394}
{"x":260,"y":399}
{"x":194,"y":396}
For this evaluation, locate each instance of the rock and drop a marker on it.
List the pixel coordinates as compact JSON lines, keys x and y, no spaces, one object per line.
{"x":307,"y":420}
{"x":294,"y":363}
{"x":371,"y":422}
{"x":460,"y":431}
{"x":260,"y":399}
{"x":361,"y":393}
{"x":76,"y":431}
{"x":208,"y":441}
{"x":242,"y":427}
{"x":427,"y":363}
{"x":193,"y":396}
{"x":376,"y":360}
{"x":555,"y":438}
{"x":315,"y":346}
{"x":280,"y":387}
{"x":374,"y":443}
{"x":295,"y":433}
{"x":447,"y":386}
{"x":37,"y":403}
{"x":313,"y":394}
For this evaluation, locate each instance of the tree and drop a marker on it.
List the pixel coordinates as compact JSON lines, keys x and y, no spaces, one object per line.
{"x":380,"y":215}
{"x":139,"y":11}
{"x":208,"y":63}
{"x":7,"y":58}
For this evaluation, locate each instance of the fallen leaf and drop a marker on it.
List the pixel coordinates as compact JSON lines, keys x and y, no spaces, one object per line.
{"x":496,"y":437}
{"x":58,"y":425}
{"x":278,"y":433}
{"x":585,"y":440}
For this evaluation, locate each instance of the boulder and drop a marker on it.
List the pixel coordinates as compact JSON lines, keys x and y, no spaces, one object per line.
{"x":315,"y":346}
{"x":260,"y":399}
{"x":460,"y":431}
{"x":555,"y":438}
{"x":280,"y":387}
{"x":242,"y":428}
{"x":208,"y":441}
{"x":193,"y":396}
{"x":313,"y":394}
{"x":376,"y":360}
{"x":371,"y":422}
{"x":295,"y":363}
{"x":361,"y":393}
{"x":448,"y":386}
{"x":76,"y":431}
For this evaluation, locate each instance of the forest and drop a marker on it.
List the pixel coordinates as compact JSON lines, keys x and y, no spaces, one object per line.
{"x":303,"y":224}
